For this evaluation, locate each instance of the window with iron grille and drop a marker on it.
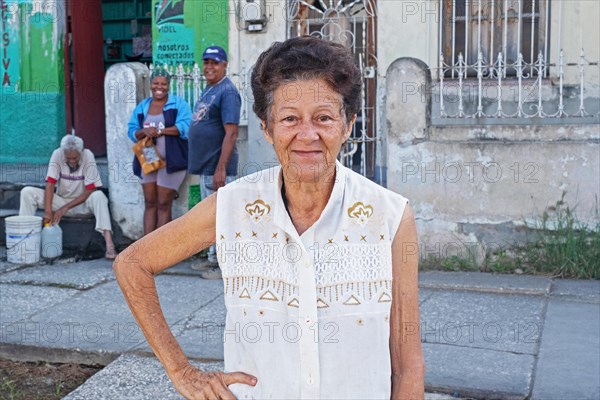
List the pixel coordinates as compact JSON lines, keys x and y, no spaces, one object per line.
{"x":489,"y":31}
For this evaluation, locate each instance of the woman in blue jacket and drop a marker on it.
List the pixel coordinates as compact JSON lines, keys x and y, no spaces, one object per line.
{"x":165,"y":118}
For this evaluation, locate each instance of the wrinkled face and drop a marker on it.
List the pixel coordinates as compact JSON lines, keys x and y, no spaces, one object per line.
{"x":214,"y":71}
{"x":72,"y":158}
{"x":159,"y":87}
{"x":307,"y":129}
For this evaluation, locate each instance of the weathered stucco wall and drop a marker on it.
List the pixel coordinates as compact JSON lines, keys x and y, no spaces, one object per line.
{"x":32,"y":101}
{"x":244,"y":48}
{"x":407,"y":29}
{"x":482,"y":184}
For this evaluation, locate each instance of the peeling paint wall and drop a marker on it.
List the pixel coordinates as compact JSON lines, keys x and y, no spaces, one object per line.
{"x":32,"y":120}
{"x":244,"y":48}
{"x":482,"y":185}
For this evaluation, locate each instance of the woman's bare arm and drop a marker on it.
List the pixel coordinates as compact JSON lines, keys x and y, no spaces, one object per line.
{"x":408,"y":366}
{"x":135,"y":269}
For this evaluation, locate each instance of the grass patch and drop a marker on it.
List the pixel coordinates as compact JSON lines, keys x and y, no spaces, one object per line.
{"x":560,"y":245}
{"x":8,"y":390}
{"x":563,"y":246}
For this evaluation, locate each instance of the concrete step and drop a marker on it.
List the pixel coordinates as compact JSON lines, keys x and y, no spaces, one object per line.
{"x":79,"y":235}
{"x":137,"y":377}
{"x":133,"y":377}
{"x":9,"y":195}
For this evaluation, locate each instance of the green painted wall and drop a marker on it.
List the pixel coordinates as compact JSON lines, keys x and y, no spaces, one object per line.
{"x":32,"y":116}
{"x":31,"y":126}
{"x":182,"y":38}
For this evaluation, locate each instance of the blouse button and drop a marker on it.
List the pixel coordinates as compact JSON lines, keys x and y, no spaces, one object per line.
{"x":307,"y":321}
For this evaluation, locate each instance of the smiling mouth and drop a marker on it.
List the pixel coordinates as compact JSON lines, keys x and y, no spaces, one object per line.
{"x":306,"y":152}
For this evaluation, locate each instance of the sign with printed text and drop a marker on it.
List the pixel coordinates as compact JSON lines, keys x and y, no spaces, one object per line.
{"x":182,"y":29}
{"x":9,"y":47}
{"x":175,"y":43}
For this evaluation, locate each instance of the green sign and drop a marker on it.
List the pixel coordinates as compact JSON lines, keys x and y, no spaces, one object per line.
{"x":9,"y":43}
{"x":182,"y":29}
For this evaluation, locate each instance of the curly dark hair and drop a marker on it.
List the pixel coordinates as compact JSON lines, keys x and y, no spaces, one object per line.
{"x":304,"y":58}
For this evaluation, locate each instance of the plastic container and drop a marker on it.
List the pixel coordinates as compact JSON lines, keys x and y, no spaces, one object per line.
{"x":23,"y":239}
{"x":51,"y":241}
{"x":193,"y":196}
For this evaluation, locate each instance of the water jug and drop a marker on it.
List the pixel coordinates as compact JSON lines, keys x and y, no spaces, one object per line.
{"x":51,"y":241}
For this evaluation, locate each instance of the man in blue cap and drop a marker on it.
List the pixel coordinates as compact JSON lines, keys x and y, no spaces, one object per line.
{"x":213,"y":132}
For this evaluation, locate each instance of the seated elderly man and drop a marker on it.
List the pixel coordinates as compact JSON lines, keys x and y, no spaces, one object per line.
{"x":72,"y":169}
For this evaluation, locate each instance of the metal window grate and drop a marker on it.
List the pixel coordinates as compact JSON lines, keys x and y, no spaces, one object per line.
{"x":494,"y":64}
{"x":188,"y":83}
{"x":482,"y":29}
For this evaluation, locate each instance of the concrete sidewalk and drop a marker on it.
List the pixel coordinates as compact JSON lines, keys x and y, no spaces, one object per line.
{"x":484,"y":335}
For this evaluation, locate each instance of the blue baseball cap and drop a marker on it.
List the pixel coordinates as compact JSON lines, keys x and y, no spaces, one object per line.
{"x":214,"y":53}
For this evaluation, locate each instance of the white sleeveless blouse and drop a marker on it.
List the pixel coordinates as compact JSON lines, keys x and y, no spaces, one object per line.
{"x":308,"y":315}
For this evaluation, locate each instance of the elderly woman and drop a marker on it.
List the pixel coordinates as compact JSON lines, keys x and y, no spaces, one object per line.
{"x":165,"y":118}
{"x":319,"y":264}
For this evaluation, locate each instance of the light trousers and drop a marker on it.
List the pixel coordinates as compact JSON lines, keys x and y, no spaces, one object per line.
{"x":32,"y":199}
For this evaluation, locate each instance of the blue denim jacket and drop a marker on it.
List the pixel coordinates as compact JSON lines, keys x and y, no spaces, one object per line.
{"x":175,"y":112}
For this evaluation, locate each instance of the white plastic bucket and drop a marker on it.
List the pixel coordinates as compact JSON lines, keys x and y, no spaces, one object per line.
{"x":23,"y":239}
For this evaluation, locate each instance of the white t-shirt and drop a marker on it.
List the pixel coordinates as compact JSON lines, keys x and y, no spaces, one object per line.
{"x":308,"y":315}
{"x":72,"y":184}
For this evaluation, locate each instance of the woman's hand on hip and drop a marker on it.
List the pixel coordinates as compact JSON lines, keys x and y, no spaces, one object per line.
{"x":195,"y":384}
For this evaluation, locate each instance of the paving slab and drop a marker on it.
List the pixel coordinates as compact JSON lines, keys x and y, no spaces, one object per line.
{"x":424,"y":295}
{"x":99,"y":319}
{"x":202,"y":335}
{"x":485,"y":282}
{"x":483,"y":320}
{"x":576,"y":289}
{"x":5,"y":266}
{"x":569,"y":359}
{"x":133,"y":377}
{"x":80,"y":275}
{"x":185,"y":267}
{"x":89,"y":321}
{"x":479,"y":373}
{"x":19,"y":302}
